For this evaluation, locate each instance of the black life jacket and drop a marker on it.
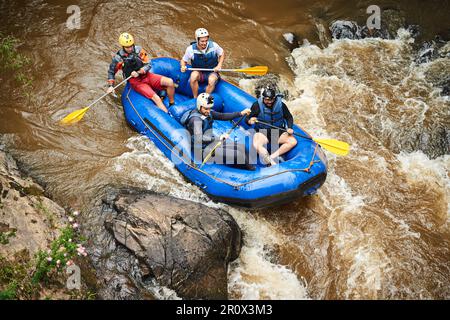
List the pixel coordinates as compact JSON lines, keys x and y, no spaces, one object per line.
{"x":131,"y":62}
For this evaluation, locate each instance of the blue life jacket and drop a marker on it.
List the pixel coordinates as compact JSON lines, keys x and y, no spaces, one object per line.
{"x":188,"y":115}
{"x":273,"y":115}
{"x":207,"y":60}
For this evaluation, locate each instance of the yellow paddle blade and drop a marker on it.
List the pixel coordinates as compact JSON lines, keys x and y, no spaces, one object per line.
{"x":258,"y":70}
{"x":75,"y":116}
{"x":338,"y":147}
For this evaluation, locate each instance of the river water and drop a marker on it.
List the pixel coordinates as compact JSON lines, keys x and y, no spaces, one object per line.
{"x":378,"y":228}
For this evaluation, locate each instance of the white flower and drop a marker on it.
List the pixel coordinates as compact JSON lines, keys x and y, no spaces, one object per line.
{"x":58,"y":262}
{"x":75,"y":213}
{"x":49,"y":259}
{"x":70,"y":219}
{"x":75,"y":225}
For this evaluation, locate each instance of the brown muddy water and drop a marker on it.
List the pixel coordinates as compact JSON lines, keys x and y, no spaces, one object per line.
{"x":379,"y":227}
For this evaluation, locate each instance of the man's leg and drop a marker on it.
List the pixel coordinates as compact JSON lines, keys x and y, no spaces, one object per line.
{"x":242,"y":158}
{"x":158,"y":82}
{"x":286,"y":143}
{"x":234,"y":155}
{"x":193,"y":81}
{"x":170,"y":88}
{"x":157,"y":100}
{"x":144,"y":88}
{"x":259,"y":141}
{"x":213,"y":78}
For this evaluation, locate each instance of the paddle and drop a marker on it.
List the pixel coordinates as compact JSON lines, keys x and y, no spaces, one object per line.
{"x":335,"y":146}
{"x":77,"y":115}
{"x":221,"y":141}
{"x":258,"y":70}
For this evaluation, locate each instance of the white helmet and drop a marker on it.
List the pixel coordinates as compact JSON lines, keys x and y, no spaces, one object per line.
{"x":201,"y":32}
{"x":205,"y":100}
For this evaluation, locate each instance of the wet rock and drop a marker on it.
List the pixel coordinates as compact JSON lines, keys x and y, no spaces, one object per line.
{"x":391,"y":21}
{"x":414,"y":30}
{"x":437,"y":70}
{"x":291,"y":40}
{"x":342,"y":29}
{"x":365,"y":32}
{"x":269,"y":80}
{"x":426,"y":53}
{"x":431,"y":50}
{"x":148,"y":243}
{"x":28,"y":220}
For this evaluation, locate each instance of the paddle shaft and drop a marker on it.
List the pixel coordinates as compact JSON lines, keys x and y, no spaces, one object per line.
{"x":104,"y":95}
{"x":221,"y":141}
{"x":275,"y":127}
{"x":202,"y":69}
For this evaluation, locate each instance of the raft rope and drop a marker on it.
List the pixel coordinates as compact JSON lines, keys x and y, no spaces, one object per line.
{"x":189,"y":164}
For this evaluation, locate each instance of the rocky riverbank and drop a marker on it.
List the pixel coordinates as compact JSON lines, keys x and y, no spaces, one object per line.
{"x":139,"y":243}
{"x":33,"y":231}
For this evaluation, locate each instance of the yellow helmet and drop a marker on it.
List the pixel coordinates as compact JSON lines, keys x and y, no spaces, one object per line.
{"x":126,"y":39}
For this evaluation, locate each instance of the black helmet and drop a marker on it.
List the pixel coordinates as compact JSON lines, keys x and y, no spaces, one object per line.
{"x":269,"y":92}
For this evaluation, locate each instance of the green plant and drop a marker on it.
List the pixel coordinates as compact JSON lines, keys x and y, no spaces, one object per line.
{"x":10,"y":292}
{"x":61,"y":253}
{"x":50,"y":216}
{"x":15,"y":278}
{"x":25,"y":278}
{"x":11,"y":61}
{"x":4,"y":236}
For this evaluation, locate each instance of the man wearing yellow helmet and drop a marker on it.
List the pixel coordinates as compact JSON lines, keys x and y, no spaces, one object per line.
{"x":134,"y":61}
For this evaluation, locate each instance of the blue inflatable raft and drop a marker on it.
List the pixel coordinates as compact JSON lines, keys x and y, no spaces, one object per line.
{"x":302,"y":172}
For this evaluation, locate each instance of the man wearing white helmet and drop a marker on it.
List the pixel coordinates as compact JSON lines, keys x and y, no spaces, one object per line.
{"x":203,"y":53}
{"x":199,"y":123}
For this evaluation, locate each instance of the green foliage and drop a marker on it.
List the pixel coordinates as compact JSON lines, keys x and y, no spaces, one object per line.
{"x":12,"y":62}
{"x":61,"y":251}
{"x":24,"y":278}
{"x":50,"y":216}
{"x":15,"y":278}
{"x":4,"y":236}
{"x":10,"y":292}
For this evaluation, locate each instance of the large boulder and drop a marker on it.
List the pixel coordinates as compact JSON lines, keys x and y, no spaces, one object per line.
{"x":156,"y":239}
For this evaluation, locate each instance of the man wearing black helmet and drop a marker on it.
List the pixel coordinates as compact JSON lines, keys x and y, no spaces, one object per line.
{"x":271,"y":109}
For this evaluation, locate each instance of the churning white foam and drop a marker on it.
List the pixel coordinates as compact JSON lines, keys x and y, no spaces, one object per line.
{"x":254,"y":275}
{"x":419,"y":167}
